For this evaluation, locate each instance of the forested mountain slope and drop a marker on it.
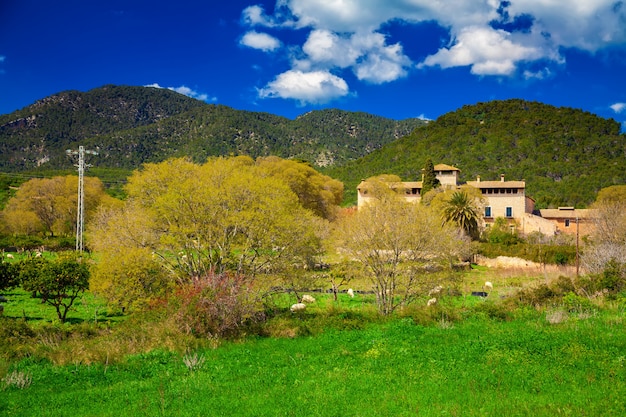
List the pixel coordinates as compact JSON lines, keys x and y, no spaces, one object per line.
{"x":565,"y":155}
{"x":132,"y":125}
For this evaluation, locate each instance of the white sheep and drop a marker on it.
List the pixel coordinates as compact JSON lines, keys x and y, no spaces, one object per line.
{"x":488,"y":286}
{"x":431,"y":302}
{"x":306,"y":298}
{"x":351,"y":292}
{"x":38,"y":255}
{"x":10,"y":256}
{"x":298,"y":307}
{"x":435,"y":291}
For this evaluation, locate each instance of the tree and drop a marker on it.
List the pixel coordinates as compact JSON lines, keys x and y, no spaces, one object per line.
{"x":316,"y":192}
{"x":608,"y":241}
{"x":430,"y":180}
{"x":397,"y":244}
{"x":59,"y":281}
{"x":49,"y":205}
{"x":461,"y":210}
{"x":226,"y":215}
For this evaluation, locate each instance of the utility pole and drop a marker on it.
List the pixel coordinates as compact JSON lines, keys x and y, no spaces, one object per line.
{"x":80,"y":212}
{"x":577,"y":248}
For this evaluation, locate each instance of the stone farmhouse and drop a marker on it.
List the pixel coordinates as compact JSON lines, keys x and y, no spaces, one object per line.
{"x":503,"y":198}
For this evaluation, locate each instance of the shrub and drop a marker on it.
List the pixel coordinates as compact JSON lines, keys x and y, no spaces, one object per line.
{"x":613,"y":277}
{"x":497,"y":311}
{"x":17,"y":338}
{"x":218,"y":305}
{"x":577,"y":304}
{"x":546,"y":293}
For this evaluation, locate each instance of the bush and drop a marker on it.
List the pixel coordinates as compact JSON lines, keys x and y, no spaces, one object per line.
{"x":546,"y":293}
{"x":17,"y":338}
{"x":613,"y":277}
{"x":496,"y":311}
{"x":218,"y":305}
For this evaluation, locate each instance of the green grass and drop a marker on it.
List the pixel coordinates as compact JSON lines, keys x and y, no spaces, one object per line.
{"x":477,"y":367}
{"x":86,"y":308}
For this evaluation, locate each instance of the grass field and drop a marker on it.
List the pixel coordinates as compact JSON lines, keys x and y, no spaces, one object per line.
{"x":465,"y":357}
{"x":481,"y":367}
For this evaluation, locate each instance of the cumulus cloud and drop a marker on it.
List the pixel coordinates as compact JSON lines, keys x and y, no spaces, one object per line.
{"x":487,"y":51}
{"x":618,"y":107}
{"x":262,"y":41}
{"x":490,"y":37}
{"x":314,"y":87}
{"x":184,"y":90}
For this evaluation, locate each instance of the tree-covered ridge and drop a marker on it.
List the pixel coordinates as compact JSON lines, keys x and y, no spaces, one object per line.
{"x":39,"y":134}
{"x":133,"y":125}
{"x":565,"y":155}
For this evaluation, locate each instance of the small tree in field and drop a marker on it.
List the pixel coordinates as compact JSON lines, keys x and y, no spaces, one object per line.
{"x":59,"y":282}
{"x":397,"y":243}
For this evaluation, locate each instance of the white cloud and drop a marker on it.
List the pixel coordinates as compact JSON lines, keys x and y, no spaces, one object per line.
{"x":366,"y":53}
{"x":491,"y":37}
{"x":486,"y":50}
{"x":314,"y":87}
{"x":2,"y":58}
{"x":262,"y":41}
{"x":618,"y":107}
{"x":184,"y":90}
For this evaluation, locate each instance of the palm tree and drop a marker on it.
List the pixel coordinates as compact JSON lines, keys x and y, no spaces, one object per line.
{"x":461,"y":211}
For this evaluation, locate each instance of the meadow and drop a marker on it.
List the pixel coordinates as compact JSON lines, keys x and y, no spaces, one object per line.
{"x":467,"y":356}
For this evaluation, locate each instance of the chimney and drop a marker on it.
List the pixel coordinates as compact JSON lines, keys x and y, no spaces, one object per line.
{"x":477,"y":178}
{"x":502,"y":177}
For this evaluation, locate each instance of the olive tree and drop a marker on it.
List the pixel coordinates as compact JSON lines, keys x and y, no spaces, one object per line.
{"x":60,"y":282}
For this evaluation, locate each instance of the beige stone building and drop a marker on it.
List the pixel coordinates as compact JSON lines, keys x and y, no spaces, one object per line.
{"x":570,"y":220}
{"x":503,"y":199}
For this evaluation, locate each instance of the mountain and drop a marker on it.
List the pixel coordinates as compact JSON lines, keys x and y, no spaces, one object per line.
{"x":565,"y":155}
{"x":128,"y":126}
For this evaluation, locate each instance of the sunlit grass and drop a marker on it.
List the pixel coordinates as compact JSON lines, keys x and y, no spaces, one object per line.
{"x":86,"y":308}
{"x":474,"y":368}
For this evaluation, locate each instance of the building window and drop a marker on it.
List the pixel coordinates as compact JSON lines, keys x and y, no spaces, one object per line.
{"x":509,"y":212}
{"x":487,"y":211}
{"x":566,"y":222}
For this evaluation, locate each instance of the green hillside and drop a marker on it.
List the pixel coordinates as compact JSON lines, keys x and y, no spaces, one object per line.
{"x":132,"y":125}
{"x":565,"y":155}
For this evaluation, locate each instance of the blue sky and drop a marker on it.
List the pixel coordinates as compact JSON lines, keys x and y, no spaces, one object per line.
{"x":394,"y":58}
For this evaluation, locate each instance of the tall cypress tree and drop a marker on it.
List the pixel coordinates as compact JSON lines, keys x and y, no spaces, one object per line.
{"x":430,"y":180}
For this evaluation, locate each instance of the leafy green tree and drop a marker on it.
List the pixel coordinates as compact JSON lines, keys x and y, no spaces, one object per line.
{"x":430,"y":180}
{"x":59,"y":281}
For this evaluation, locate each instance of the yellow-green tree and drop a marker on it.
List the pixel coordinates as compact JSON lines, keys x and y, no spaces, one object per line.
{"x":203,"y":220}
{"x":316,"y":192}
{"x":397,"y":243}
{"x":48,"y":205}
